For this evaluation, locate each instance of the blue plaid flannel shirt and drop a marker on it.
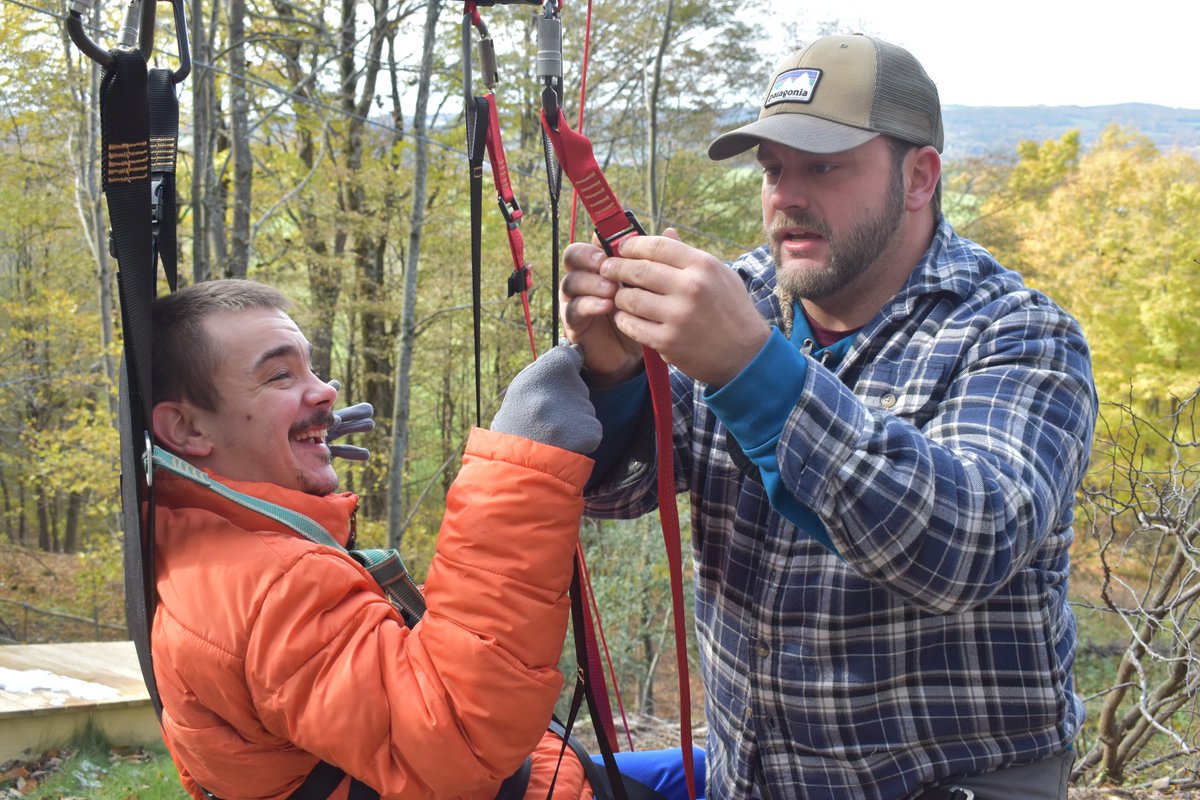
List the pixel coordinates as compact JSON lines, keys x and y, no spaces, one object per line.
{"x":942,"y":455}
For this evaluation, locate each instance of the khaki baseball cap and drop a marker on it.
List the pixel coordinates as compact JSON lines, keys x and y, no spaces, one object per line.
{"x":838,"y":93}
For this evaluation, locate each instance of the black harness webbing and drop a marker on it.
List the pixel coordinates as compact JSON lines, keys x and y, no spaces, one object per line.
{"x":477,"y":125}
{"x":164,"y":144}
{"x":587,"y":677}
{"x":125,"y":164}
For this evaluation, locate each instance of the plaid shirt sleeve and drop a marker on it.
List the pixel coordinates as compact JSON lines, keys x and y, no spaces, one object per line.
{"x":941,"y":477}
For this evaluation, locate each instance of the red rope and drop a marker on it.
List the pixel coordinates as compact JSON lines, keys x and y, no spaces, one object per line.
{"x":612,"y":673}
{"x":587,"y":55}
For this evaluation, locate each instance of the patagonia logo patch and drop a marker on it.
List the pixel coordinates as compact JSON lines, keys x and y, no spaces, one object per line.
{"x":793,"y":86}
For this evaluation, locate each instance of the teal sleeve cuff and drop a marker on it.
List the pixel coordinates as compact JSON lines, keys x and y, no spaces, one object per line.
{"x":756,"y":416}
{"x":618,"y":408}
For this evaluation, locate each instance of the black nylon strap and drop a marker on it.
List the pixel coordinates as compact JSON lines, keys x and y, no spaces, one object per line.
{"x":554,"y":177}
{"x":360,"y":791}
{"x":477,"y":125}
{"x":125,"y":163}
{"x":514,"y":785}
{"x":164,"y":144}
{"x":320,"y":783}
{"x":138,"y":548}
{"x":599,"y":781}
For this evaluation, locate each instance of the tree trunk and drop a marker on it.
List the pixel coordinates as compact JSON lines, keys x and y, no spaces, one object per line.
{"x":239,"y":126}
{"x":89,"y":201}
{"x":400,"y":402}
{"x":652,"y":95}
{"x":8,"y":511}
{"x":202,"y":114}
{"x":45,"y":541}
{"x":71,"y":524}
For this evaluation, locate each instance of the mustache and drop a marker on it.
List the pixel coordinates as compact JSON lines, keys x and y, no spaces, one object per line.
{"x":321,"y":419}
{"x":781,"y":221}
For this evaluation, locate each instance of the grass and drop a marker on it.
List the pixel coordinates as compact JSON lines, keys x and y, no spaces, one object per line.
{"x":91,"y":767}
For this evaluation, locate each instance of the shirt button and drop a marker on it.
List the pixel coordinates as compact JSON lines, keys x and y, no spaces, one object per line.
{"x":748,"y":713}
{"x":763,"y":650}
{"x":888,"y":400}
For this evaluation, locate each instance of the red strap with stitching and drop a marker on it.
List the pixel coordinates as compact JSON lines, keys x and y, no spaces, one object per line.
{"x":522,"y":272}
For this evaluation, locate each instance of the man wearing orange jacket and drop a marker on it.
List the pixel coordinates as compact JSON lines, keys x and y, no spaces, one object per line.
{"x":274,"y":654}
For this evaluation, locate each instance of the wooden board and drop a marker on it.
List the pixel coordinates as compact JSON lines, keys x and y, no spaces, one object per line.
{"x":48,"y":692}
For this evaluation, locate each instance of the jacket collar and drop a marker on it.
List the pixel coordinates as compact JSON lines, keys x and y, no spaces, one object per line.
{"x":333,"y":512}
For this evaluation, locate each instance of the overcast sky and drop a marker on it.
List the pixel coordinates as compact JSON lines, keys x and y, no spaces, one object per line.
{"x":1032,"y":52}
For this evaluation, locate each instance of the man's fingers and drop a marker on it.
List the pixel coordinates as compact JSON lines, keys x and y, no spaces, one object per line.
{"x":651,"y":275}
{"x":643,"y":330}
{"x":581,"y":310}
{"x":582,"y":257}
{"x":666,"y":249}
{"x":586,"y":284}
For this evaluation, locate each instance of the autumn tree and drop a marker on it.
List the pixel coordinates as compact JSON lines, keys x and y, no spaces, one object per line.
{"x":57,"y":441}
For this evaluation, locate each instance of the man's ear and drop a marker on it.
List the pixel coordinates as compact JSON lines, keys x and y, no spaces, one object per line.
{"x":924,"y":170}
{"x":175,"y":428}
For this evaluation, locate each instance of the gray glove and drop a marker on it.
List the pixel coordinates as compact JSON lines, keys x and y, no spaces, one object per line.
{"x":548,"y":403}
{"x":358,"y":418}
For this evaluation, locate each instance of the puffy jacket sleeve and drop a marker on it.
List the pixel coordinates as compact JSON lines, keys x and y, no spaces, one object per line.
{"x":453,"y":706}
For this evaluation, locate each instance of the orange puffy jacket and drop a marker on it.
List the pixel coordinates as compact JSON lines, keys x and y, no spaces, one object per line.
{"x":272,"y":652}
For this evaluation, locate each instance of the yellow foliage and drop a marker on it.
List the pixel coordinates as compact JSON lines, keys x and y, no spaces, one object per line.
{"x":1113,"y":235}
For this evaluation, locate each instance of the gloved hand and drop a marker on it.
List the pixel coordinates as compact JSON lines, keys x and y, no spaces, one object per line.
{"x":358,"y":418}
{"x":548,"y":403}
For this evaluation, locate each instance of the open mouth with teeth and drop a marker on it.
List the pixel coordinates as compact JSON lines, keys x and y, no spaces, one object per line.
{"x":318,"y":436}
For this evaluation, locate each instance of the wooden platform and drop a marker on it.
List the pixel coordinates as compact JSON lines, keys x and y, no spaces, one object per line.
{"x":48,"y":692}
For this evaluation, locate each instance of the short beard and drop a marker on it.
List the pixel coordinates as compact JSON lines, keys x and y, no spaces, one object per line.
{"x":850,"y":254}
{"x":319,"y":489}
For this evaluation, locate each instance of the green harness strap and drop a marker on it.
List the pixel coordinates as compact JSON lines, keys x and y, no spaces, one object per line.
{"x":385,"y":566}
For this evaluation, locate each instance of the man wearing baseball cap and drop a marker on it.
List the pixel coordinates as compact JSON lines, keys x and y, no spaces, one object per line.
{"x":881,"y":430}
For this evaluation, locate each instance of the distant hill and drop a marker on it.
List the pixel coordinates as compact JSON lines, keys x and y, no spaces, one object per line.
{"x":980,"y":130}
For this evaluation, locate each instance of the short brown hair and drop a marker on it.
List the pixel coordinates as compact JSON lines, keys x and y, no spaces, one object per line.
{"x":184,"y":358}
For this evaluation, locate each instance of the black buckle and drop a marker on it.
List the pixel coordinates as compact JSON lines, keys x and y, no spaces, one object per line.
{"x":634,"y":227}
{"x":519,"y":280}
{"x":511,"y":211}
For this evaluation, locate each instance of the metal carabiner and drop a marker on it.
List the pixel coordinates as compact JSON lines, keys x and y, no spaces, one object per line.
{"x":137,"y":30}
{"x":550,"y":59}
{"x":181,"y":41}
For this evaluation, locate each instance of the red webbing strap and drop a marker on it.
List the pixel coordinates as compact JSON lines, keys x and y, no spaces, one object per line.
{"x":613,"y":225}
{"x":521,"y":280}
